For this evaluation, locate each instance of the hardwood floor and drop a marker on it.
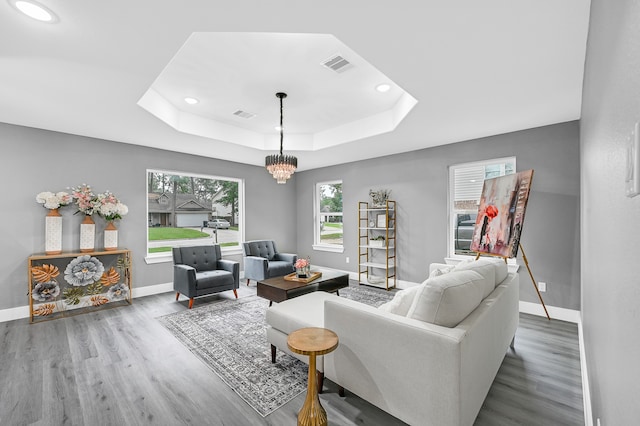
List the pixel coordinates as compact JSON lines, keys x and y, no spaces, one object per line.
{"x":121,"y":367}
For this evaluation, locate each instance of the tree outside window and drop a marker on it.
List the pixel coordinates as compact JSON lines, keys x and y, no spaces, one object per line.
{"x":328,"y":216}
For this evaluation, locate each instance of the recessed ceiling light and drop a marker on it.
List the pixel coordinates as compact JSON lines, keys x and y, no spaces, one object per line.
{"x":35,"y":10}
{"x":191,"y":101}
{"x":384,"y":87}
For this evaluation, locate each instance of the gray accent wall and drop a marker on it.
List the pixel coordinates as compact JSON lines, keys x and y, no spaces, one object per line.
{"x":419,"y":182}
{"x":35,"y":160}
{"x":610,"y":220}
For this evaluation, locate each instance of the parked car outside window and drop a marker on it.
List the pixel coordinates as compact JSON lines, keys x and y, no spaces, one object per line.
{"x":218,"y":224}
{"x":465,"y":224}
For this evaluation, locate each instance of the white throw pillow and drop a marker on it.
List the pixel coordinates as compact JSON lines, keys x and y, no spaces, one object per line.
{"x":487,"y":270}
{"x":441,"y":271}
{"x":402,"y":301}
{"x":448,"y":299}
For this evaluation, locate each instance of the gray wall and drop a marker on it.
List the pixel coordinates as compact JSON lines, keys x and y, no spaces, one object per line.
{"x":419,"y":183}
{"x":34,"y":160}
{"x":611,"y":221}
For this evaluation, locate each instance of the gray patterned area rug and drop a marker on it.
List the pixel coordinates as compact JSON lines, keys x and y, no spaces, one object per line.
{"x":229,"y":336}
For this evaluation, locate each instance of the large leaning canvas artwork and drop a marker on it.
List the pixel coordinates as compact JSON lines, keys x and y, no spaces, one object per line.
{"x":501,"y":214}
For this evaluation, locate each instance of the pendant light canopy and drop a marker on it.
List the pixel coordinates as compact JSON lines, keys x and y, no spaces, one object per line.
{"x":279,"y":165}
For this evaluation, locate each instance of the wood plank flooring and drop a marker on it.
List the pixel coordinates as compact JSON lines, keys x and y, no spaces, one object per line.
{"x":121,"y":367}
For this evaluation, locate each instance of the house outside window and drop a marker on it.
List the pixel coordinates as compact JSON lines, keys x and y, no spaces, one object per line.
{"x":328,"y":226}
{"x":188,"y":209}
{"x":465,"y":188}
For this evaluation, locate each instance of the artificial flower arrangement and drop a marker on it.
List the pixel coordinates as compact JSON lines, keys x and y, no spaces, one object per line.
{"x":85,"y":199}
{"x":302,"y":263}
{"x":109,"y":207}
{"x":106,"y":204}
{"x":54,"y":200}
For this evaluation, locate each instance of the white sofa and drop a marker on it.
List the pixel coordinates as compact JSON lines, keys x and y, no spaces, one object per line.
{"x":430,"y":355}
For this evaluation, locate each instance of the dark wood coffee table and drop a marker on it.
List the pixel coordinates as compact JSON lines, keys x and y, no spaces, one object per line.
{"x":278,"y":289}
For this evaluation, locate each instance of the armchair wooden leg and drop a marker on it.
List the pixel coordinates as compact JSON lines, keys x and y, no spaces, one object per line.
{"x":177,"y":295}
{"x":190,"y":302}
{"x":248,"y":281}
{"x":235,"y":293}
{"x":273,"y":354}
{"x":341,"y":391}
{"x":320,"y":380}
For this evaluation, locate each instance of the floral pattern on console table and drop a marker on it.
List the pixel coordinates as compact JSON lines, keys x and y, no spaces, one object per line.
{"x":83,"y":270}
{"x":87,"y":283}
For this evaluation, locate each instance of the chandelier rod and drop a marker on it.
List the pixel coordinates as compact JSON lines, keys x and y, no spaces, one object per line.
{"x":281,"y":96}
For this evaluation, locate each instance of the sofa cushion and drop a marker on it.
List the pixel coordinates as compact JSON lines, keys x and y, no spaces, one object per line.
{"x":299,"y":312}
{"x":485,"y":269}
{"x":402,"y":301}
{"x":279,"y":268}
{"x":218,"y":278}
{"x":499,"y":265}
{"x":448,"y":299}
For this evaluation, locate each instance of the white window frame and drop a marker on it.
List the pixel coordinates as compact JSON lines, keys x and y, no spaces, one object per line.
{"x":162,"y":257}
{"x":317,"y":217}
{"x":453,"y":257}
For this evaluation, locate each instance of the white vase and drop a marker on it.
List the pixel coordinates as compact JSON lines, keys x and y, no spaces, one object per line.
{"x":110,"y":237}
{"x":53,"y":232}
{"x":87,"y":234}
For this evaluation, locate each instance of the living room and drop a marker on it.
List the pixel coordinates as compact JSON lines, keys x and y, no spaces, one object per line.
{"x":578,"y":182}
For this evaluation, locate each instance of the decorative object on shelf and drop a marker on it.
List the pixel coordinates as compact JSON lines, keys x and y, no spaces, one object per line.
{"x":303,"y":268}
{"x":279,"y":165}
{"x":111,"y":209}
{"x":53,"y":220}
{"x":87,"y":234}
{"x":372,"y":224}
{"x":379,"y":197}
{"x":85,"y":202}
{"x":381,"y":220}
{"x":377,"y":241}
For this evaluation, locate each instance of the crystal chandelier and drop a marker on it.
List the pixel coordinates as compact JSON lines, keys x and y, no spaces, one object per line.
{"x":279,"y":165}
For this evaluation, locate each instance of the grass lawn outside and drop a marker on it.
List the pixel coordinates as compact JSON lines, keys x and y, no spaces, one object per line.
{"x":161,"y":233}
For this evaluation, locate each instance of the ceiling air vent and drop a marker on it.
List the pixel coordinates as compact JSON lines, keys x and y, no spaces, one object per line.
{"x":337,"y":63}
{"x":244,"y":114}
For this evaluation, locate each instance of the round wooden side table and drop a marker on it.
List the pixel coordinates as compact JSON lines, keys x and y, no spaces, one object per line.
{"x":312,"y":341}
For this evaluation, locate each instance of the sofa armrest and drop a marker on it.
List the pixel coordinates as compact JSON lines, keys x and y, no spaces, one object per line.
{"x":404,"y":366}
{"x":287,"y":257}
{"x":233,"y":267}
{"x":184,"y":280}
{"x":255,"y":267}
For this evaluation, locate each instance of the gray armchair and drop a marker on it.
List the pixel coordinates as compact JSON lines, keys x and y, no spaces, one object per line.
{"x":262,"y":260}
{"x":201,"y":270}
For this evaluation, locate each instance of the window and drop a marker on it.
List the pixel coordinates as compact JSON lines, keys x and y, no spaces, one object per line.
{"x":328,"y":216}
{"x":465,"y":189}
{"x":187,"y":209}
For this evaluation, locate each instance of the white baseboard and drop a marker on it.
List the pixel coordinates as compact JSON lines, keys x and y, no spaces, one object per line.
{"x":23,"y":311}
{"x":14,"y":313}
{"x":586,"y":393}
{"x":562,"y":314}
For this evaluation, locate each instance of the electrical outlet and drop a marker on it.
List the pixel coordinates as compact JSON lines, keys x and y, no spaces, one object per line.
{"x":347,"y":259}
{"x":542,"y":286}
